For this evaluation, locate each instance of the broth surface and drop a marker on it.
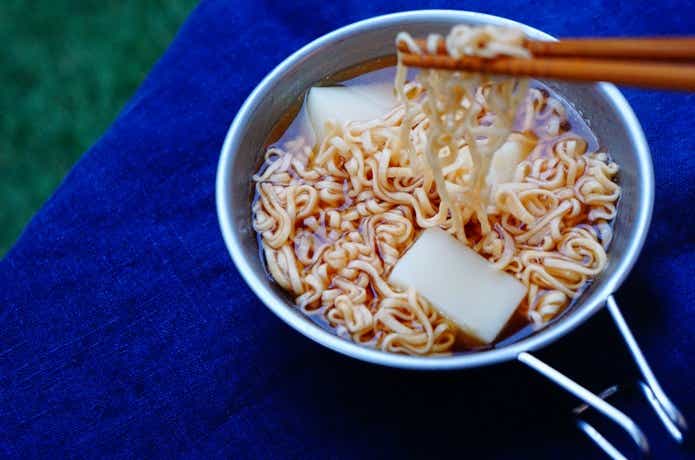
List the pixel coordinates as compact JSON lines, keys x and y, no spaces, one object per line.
{"x":294,"y":123}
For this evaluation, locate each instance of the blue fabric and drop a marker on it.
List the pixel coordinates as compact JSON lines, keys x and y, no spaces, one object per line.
{"x":126,"y":332}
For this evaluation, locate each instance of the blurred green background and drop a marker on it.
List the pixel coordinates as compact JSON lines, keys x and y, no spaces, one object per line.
{"x":66,"y":69}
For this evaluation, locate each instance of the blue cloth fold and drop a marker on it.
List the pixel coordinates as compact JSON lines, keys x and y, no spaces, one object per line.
{"x":126,"y":332}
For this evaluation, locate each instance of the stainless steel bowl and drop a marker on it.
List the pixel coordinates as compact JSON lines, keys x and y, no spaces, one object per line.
{"x":602,"y":105}
{"x":609,"y":116}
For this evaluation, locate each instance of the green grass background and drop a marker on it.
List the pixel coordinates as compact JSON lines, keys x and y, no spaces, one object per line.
{"x":66,"y":69}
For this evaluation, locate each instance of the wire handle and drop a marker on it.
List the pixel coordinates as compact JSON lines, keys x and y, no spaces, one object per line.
{"x":569,"y":385}
{"x":668,"y":413}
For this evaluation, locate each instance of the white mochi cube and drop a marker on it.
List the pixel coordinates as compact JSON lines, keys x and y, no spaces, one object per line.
{"x":460,"y":283}
{"x":347,"y":103}
{"x":507,"y":158}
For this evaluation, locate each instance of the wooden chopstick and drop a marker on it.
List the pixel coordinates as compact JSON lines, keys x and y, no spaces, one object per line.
{"x":632,"y":73}
{"x":664,"y":63}
{"x":660,"y":48}
{"x":664,"y":48}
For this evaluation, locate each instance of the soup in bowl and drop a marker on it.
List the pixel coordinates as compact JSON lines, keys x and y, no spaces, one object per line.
{"x":321,"y":235}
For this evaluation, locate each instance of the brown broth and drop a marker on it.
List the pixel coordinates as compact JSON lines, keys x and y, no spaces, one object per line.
{"x":383,"y":70}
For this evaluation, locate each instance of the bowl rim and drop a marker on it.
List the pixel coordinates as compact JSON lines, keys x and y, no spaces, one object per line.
{"x":288,"y":313}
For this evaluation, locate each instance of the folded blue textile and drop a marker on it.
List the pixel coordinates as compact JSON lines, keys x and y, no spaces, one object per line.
{"x":126,"y":332}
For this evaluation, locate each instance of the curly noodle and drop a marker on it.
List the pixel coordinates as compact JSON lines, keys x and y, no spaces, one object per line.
{"x":334,"y":220}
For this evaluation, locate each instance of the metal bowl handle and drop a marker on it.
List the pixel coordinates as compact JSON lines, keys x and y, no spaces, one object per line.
{"x":668,"y":413}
